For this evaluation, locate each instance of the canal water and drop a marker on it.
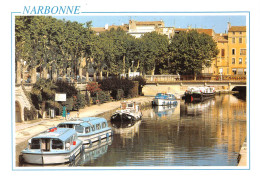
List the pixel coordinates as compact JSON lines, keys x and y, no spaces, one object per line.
{"x":208,"y":133}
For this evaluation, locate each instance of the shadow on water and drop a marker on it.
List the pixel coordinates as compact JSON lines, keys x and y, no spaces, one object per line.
{"x":241,"y":93}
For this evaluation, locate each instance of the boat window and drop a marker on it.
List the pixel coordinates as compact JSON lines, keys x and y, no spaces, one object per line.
{"x":98,"y":126}
{"x":93,"y":127}
{"x":62,"y":126}
{"x":65,"y":126}
{"x":35,"y":144}
{"x":130,"y":105}
{"x":57,"y":144}
{"x":87,"y":129}
{"x":79,"y":128}
{"x":104,"y":125}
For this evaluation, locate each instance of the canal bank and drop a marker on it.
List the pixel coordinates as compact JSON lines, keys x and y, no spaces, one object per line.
{"x":242,"y":157}
{"x":26,"y":130}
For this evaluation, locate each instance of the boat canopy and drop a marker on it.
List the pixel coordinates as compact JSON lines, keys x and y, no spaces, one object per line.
{"x":61,"y":133}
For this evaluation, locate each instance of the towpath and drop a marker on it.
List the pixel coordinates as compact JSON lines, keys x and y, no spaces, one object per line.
{"x":27,"y":129}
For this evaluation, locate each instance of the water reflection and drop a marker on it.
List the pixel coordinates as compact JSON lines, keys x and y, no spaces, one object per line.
{"x":129,"y":131}
{"x":208,"y":133}
{"x":164,"y":111}
{"x":92,"y":152}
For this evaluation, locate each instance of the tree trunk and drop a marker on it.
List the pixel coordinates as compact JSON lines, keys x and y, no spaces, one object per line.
{"x":44,"y":73}
{"x":54,"y":74}
{"x":18,"y":72}
{"x":124,"y":65}
{"x":195,"y":76}
{"x":129,"y":71}
{"x":100,"y":75}
{"x":33,"y":75}
{"x":95,"y":76}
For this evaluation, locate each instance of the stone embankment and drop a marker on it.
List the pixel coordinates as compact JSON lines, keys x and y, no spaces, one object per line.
{"x":242,"y":158}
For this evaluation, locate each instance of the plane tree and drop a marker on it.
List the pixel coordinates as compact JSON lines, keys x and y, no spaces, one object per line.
{"x":155,"y":50}
{"x":190,"y":51}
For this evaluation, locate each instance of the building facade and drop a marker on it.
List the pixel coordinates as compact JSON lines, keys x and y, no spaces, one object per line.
{"x":237,"y":50}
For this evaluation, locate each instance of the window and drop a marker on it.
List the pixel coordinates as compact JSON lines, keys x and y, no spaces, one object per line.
{"x":104,"y":125}
{"x":240,"y":40}
{"x":233,"y":51}
{"x":130,"y":105}
{"x":234,"y":71}
{"x":240,"y":60}
{"x":35,"y":144}
{"x":222,"y":52}
{"x":242,"y":51}
{"x":240,"y":32}
{"x":57,"y":144}
{"x":98,"y":126}
{"x":79,"y":128}
{"x":233,"y":40}
{"x":227,"y":70}
{"x":61,"y":126}
{"x":233,"y":33}
{"x":233,"y":60}
{"x":87,"y":129}
{"x":244,"y":71}
{"x":93,"y":127}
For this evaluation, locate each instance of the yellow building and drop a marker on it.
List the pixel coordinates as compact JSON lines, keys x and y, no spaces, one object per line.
{"x":237,"y":50}
{"x":221,"y":63}
{"x":231,"y":59}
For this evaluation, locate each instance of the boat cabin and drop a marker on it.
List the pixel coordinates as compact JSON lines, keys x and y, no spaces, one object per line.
{"x":54,"y":139}
{"x":89,"y":125}
{"x":130,"y":106}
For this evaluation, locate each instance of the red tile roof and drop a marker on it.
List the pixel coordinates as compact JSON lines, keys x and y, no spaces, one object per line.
{"x":209,"y":32}
{"x":237,"y":28}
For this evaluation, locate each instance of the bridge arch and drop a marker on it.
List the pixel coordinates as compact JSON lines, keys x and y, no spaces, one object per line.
{"x":239,"y":88}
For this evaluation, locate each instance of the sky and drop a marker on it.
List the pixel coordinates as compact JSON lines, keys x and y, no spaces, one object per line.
{"x":218,"y":23}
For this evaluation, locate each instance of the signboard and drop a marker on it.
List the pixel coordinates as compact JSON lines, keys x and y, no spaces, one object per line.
{"x":60,"y":97}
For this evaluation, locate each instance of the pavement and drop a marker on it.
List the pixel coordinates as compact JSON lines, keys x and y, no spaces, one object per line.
{"x":25,"y":130}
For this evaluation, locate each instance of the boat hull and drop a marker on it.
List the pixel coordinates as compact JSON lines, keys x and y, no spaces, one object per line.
{"x":164,"y":102}
{"x":95,"y":137}
{"x":45,"y":158}
{"x":124,"y":120}
{"x":198,"y":96}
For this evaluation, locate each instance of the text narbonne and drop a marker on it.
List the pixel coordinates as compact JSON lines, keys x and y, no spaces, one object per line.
{"x":51,"y":10}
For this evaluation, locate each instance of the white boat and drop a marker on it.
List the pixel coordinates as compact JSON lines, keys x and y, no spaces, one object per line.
{"x":89,"y":129}
{"x":54,"y":146}
{"x":164,"y":99}
{"x":127,"y":115}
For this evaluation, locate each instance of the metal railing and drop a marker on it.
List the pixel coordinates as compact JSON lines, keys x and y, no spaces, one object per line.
{"x":173,"y":78}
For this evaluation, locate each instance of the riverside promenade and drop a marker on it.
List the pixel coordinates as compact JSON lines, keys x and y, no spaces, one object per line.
{"x":27,"y":129}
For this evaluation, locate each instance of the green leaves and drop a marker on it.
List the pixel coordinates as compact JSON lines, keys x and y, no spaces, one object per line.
{"x":190,"y":51}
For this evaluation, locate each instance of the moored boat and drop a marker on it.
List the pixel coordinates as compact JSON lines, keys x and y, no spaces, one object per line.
{"x":199,"y":93}
{"x":127,"y":115}
{"x":89,"y":129}
{"x":164,"y":99}
{"x":54,"y":146}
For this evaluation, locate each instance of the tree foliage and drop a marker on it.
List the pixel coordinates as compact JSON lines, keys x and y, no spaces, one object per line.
{"x":190,"y":51}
